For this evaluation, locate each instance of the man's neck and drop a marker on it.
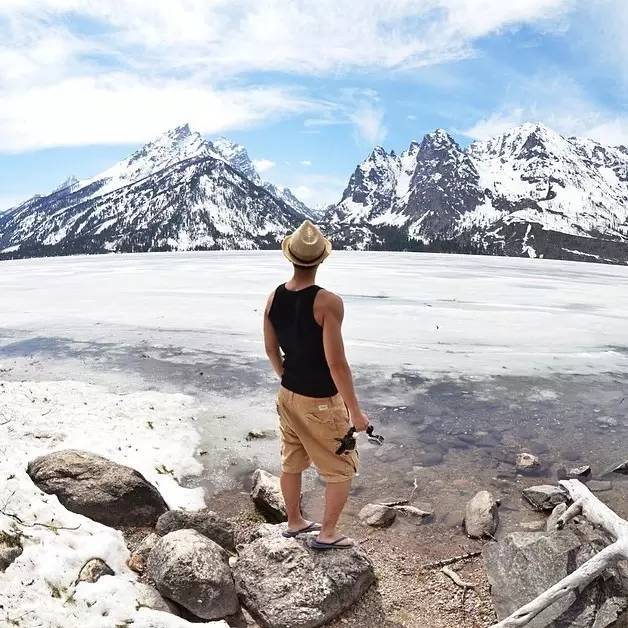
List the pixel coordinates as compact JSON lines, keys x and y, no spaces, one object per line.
{"x":302,"y":278}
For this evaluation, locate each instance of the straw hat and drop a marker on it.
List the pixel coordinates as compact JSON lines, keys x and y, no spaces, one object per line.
{"x":307,"y":246}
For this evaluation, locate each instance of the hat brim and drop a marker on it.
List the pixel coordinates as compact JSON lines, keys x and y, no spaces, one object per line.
{"x":285,"y":247}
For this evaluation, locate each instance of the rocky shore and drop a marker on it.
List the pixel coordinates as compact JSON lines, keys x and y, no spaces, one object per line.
{"x":201,"y":566}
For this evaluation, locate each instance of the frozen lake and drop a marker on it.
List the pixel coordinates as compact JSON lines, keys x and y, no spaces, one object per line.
{"x":433,"y":314}
{"x":461,"y":361}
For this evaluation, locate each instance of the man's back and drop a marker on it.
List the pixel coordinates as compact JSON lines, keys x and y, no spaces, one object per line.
{"x":300,"y":336}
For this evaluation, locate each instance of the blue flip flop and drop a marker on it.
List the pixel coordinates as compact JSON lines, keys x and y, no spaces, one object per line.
{"x":320,"y":545}
{"x":312,"y":527}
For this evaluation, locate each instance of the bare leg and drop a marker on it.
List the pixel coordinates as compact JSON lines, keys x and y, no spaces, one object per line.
{"x":291,"y":489}
{"x":336,"y":496}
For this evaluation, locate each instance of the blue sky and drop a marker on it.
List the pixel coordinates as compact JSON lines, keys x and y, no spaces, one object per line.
{"x":309,"y":87}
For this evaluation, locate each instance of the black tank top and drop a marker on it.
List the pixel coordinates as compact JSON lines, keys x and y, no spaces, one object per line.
{"x":301,"y":340}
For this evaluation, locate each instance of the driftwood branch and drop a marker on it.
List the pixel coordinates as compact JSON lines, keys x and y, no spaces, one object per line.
{"x":457,"y":579}
{"x":599,"y":514}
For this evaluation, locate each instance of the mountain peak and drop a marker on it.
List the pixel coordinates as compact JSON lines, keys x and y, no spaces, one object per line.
{"x":439,"y":138}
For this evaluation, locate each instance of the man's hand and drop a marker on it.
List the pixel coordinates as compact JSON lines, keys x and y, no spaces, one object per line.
{"x":359,"y":420}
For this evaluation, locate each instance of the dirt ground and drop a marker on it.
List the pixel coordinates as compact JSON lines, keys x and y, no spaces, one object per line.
{"x":406,"y":593}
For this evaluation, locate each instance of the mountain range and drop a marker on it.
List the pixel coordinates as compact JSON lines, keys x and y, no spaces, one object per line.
{"x":526,"y":192}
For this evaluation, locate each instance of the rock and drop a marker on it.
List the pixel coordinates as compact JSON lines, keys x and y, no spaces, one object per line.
{"x":607,"y":421}
{"x":527,"y":463}
{"x":10,"y":549}
{"x":577,"y":473}
{"x":559,"y":511}
{"x":545,"y":496}
{"x":285,"y":584}
{"x":524,"y":564}
{"x":260,"y":434}
{"x":193,"y":571}
{"x":149,"y":597}
{"x":622,"y":468}
{"x":532,"y":526}
{"x":139,"y":556}
{"x":599,"y":486}
{"x":377,"y":515}
{"x":205,"y":521}
{"x":481,"y":517}
{"x":100,"y":489}
{"x":93,"y":570}
{"x":267,"y":497}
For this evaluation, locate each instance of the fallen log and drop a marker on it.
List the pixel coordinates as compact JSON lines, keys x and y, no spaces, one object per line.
{"x":589,"y":506}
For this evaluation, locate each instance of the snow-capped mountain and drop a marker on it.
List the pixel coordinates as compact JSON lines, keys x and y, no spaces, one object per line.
{"x":529,"y":191}
{"x":177,"y":192}
{"x":238,"y":157}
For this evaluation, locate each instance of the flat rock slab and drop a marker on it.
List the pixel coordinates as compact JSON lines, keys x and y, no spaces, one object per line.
{"x":524,"y":564}
{"x":93,"y":486}
{"x":205,"y":521}
{"x":545,"y":496}
{"x":285,"y":584}
{"x":192,"y":570}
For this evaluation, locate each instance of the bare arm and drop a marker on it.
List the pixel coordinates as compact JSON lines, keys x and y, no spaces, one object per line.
{"x":270,"y":340}
{"x":332,"y":314}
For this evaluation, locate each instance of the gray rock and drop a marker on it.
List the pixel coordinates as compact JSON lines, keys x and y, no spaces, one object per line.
{"x":599,"y":486}
{"x":261,"y":434}
{"x":193,"y":571}
{"x":607,"y":421}
{"x":622,"y":468}
{"x":100,"y":489}
{"x":285,"y":584}
{"x":524,"y":564}
{"x":377,"y":515}
{"x":93,"y":570}
{"x":527,"y":463}
{"x":149,"y":597}
{"x":139,"y":556}
{"x":205,"y":521}
{"x":577,"y":473}
{"x":267,"y":497}
{"x":558,"y":512}
{"x":10,"y":549}
{"x":481,"y":517}
{"x":545,"y":496}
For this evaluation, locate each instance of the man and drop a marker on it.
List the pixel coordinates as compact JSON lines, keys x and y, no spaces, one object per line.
{"x":316,"y":402}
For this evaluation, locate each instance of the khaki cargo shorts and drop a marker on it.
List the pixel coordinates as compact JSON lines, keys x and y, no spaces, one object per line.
{"x":309,"y":429}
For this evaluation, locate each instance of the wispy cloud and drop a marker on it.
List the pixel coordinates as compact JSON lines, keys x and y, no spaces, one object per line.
{"x":263,"y":165}
{"x":306,"y":163}
{"x":558,"y":102}
{"x":82,"y":72}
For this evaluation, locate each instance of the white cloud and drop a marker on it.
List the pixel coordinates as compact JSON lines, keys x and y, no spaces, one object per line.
{"x":263,"y":165}
{"x":560,"y":104}
{"x":116,"y":109}
{"x":83,"y":71}
{"x":306,"y":163}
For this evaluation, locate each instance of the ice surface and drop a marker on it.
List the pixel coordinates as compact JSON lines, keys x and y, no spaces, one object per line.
{"x":437,"y":314}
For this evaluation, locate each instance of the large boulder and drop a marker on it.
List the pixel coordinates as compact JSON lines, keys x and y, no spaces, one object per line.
{"x":148,"y":597}
{"x":481,"y":517}
{"x":267,"y":497}
{"x":545,"y":496}
{"x":100,"y":489}
{"x":192,"y":570}
{"x":284,"y":583}
{"x":205,"y":521}
{"x":524,"y":564}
